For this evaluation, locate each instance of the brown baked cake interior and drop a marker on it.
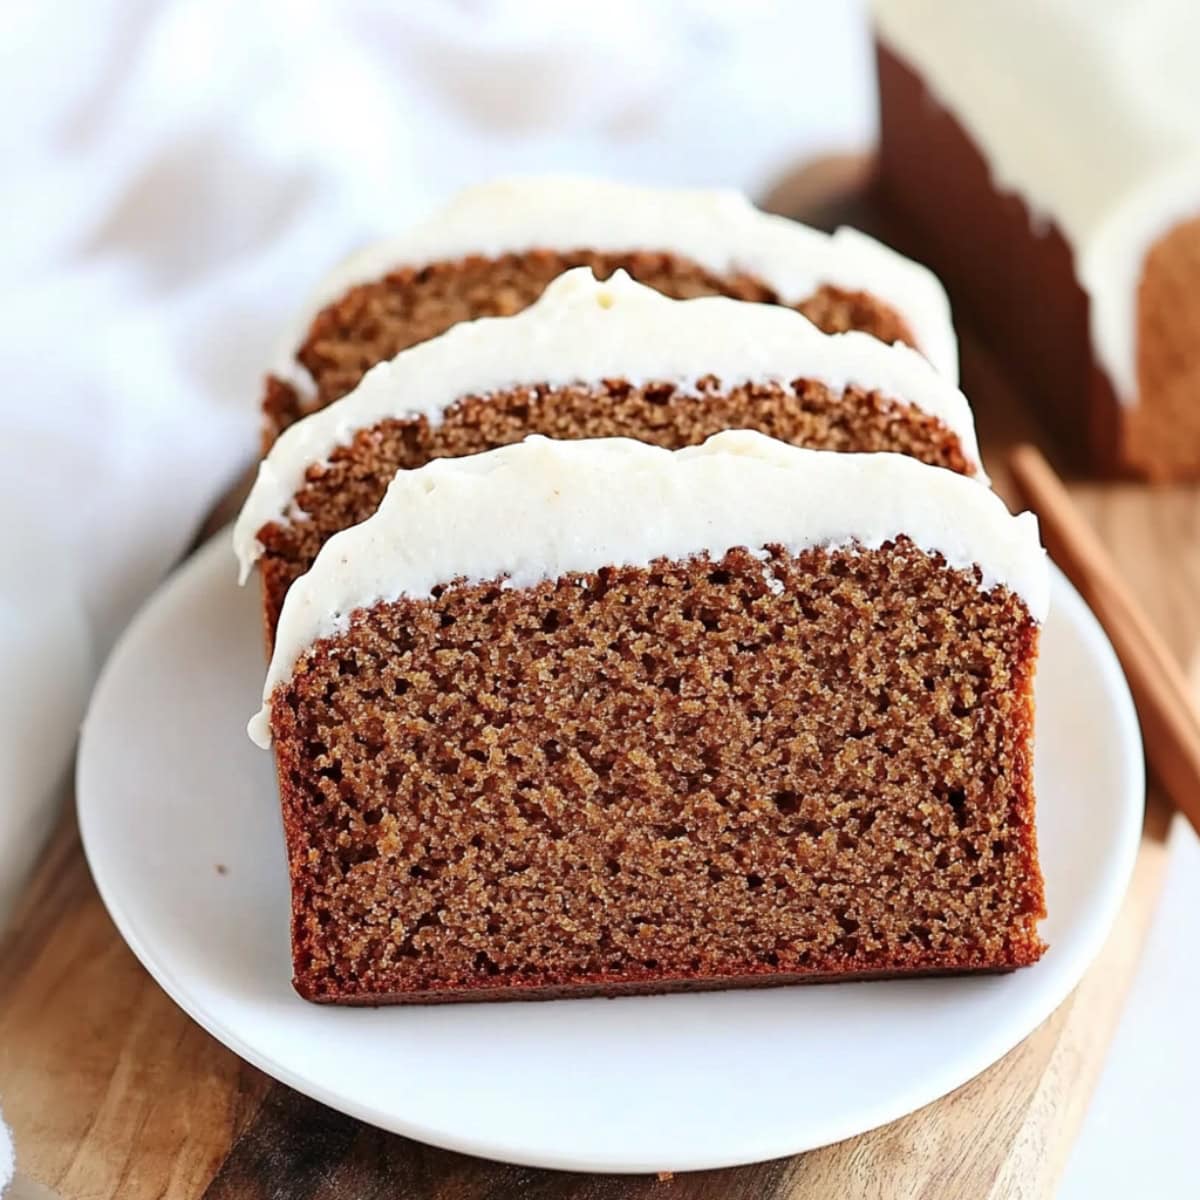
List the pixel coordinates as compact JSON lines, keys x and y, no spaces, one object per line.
{"x":1163,"y":429}
{"x":348,"y":488}
{"x":375,"y":321}
{"x":575,"y":717}
{"x":689,"y":774}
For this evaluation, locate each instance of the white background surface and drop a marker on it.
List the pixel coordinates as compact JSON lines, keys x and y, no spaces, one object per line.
{"x":177,"y":173}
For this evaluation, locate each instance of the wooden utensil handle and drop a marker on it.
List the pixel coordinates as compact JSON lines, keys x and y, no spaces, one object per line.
{"x":1170,"y":723}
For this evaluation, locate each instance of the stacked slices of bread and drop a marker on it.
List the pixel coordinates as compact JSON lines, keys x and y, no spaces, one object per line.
{"x":639,"y":614}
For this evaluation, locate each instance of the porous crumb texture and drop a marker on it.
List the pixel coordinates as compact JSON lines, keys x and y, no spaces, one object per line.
{"x":756,"y":770}
{"x":1163,"y":428}
{"x":347,"y":489}
{"x":375,"y":321}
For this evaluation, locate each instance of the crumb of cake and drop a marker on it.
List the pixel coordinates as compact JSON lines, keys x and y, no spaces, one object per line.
{"x":674,"y":776}
{"x":375,"y":321}
{"x":1162,"y":432}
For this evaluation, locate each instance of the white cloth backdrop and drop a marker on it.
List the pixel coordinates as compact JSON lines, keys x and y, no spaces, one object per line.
{"x":176,"y":174}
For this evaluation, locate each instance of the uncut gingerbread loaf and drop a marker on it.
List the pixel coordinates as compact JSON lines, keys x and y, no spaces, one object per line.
{"x":592,"y":359}
{"x":568,"y":718}
{"x":1044,"y":157}
{"x":493,"y":250}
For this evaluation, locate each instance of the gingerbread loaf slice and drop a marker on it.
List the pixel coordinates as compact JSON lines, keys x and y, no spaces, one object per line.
{"x":1043,"y":157}
{"x":592,"y":359}
{"x":493,"y":250}
{"x":568,"y":718}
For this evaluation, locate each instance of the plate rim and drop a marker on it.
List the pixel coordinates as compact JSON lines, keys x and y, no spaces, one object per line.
{"x":932,"y":1086}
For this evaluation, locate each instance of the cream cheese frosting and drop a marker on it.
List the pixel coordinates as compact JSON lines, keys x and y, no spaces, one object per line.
{"x":580,"y":331}
{"x":542,"y":509}
{"x":719,"y":229}
{"x":1087,"y":109}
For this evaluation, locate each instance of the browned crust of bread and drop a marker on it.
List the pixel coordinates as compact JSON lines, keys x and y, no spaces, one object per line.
{"x":694,"y":773}
{"x":373,"y":322}
{"x":615,"y":988}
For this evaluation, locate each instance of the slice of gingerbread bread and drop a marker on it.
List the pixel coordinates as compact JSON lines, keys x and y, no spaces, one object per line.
{"x":585,"y":717}
{"x":592,"y":359}
{"x":493,"y":250}
{"x":1043,"y":157}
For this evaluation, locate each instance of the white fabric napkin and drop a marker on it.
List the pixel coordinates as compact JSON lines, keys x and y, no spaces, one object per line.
{"x":177,"y":174}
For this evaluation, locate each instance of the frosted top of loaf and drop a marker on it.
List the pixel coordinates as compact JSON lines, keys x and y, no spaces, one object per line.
{"x":1085,"y":108}
{"x":718,"y":229}
{"x":542,"y":509}
{"x":585,"y":331}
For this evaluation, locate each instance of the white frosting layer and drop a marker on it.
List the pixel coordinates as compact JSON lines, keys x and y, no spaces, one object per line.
{"x":543,"y":509}
{"x":720,"y":230}
{"x":583,"y":331}
{"x":1090,"y":111}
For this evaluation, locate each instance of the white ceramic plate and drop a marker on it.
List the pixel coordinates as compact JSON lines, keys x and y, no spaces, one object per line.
{"x":180,"y":824}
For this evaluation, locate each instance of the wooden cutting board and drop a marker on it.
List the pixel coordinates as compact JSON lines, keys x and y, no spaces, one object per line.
{"x":113,"y":1092}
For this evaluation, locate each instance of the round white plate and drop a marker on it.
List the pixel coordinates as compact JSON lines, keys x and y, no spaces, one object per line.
{"x":181,"y":827}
